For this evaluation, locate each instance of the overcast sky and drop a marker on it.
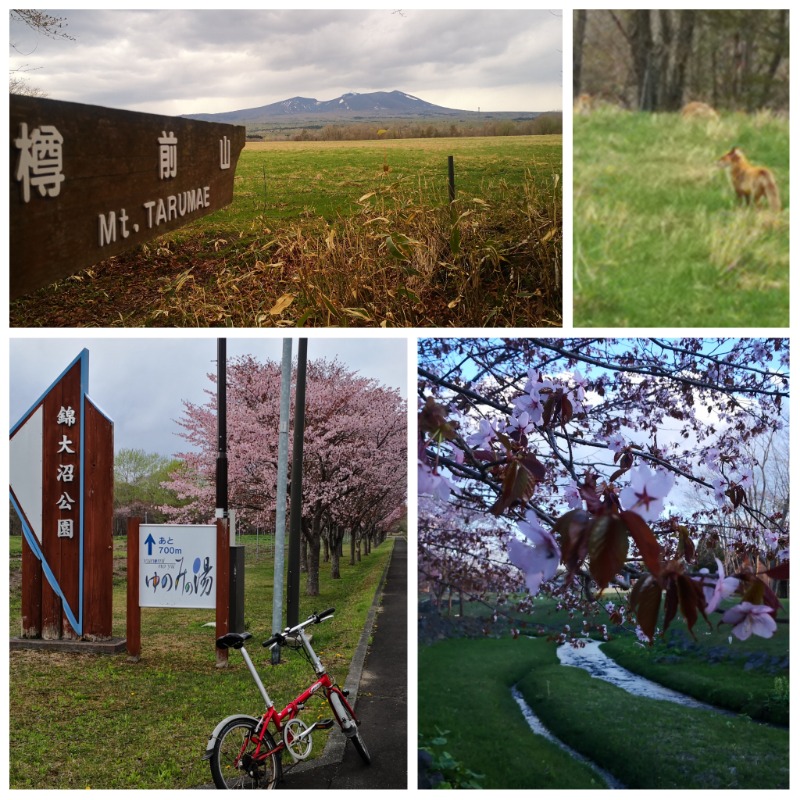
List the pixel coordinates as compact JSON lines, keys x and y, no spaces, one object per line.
{"x":141,"y":383}
{"x":189,"y":61}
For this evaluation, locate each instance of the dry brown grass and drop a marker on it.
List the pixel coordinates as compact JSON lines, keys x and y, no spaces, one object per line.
{"x":399,"y":261}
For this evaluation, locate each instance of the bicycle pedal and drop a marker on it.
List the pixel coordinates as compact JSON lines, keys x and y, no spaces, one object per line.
{"x":324,"y":724}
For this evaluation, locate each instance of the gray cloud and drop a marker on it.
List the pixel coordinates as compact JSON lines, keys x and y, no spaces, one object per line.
{"x":141,"y":383}
{"x":206,"y":61}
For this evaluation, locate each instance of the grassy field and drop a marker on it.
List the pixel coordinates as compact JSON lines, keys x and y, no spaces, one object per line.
{"x":650,"y":744}
{"x":658,"y":237}
{"x":79,"y":721}
{"x":346,"y":234}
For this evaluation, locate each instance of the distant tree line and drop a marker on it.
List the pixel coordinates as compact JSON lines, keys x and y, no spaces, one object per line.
{"x":548,"y":123}
{"x":658,"y":60}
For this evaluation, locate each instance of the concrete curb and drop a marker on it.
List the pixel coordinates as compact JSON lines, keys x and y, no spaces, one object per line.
{"x":333,"y":751}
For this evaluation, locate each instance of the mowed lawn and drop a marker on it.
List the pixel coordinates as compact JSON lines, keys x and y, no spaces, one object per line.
{"x":659,"y":239}
{"x":81,"y":721}
{"x":643,"y":743}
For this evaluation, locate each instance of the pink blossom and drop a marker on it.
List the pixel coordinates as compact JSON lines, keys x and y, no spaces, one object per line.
{"x":616,"y":442}
{"x":581,"y":384}
{"x":711,"y":458}
{"x":724,"y":587}
{"x":530,"y":404}
{"x":748,"y":619}
{"x":532,"y":401}
{"x":745,"y":478}
{"x":486,"y":433}
{"x":720,"y":485}
{"x":432,"y":483}
{"x":539,"y":560}
{"x":573,"y":496}
{"x":646,"y":492}
{"x":771,"y":539}
{"x":522,"y":423}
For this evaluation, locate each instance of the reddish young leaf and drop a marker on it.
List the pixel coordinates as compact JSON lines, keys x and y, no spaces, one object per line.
{"x":617,"y":473}
{"x":608,"y":547}
{"x":670,"y":601}
{"x":691,"y":600}
{"x":685,"y":544}
{"x":589,"y":494}
{"x":645,"y":540}
{"x":758,"y":593}
{"x":433,"y":420}
{"x":754,"y":593}
{"x":626,"y":459}
{"x":518,"y":485}
{"x":736,"y":495}
{"x":573,"y":528}
{"x":779,"y":573}
{"x":547,"y":410}
{"x":646,"y":601}
{"x":534,"y":466}
{"x":566,"y":410}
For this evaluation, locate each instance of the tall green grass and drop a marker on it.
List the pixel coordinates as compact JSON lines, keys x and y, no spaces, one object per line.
{"x":659,"y":240}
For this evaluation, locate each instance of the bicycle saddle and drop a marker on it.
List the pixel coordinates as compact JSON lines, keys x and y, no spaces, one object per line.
{"x":234,"y":640}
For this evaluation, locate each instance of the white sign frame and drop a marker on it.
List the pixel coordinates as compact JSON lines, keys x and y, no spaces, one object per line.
{"x":178,"y":566}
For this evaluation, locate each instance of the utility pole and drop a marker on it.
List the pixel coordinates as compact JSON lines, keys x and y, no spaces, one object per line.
{"x":280,"y":507}
{"x":293,"y":576}
{"x":236,"y":591}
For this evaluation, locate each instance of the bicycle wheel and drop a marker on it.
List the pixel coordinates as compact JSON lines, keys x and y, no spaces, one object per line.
{"x":238,"y":762}
{"x":348,"y":725}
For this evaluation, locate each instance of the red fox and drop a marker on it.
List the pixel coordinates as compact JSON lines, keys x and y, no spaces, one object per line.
{"x":749,"y":182}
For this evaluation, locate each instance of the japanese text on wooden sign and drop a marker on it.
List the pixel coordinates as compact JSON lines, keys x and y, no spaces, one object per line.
{"x":88,"y":183}
{"x":61,"y":453}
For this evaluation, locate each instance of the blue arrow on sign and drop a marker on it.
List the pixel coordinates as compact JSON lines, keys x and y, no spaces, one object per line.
{"x":150,"y":541}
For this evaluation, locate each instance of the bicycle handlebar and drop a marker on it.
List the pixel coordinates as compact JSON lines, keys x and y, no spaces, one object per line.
{"x":314,"y":619}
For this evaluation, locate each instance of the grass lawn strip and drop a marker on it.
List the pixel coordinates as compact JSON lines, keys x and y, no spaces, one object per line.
{"x":651,"y":744}
{"x":80,"y":721}
{"x":465,"y":691}
{"x":684,"y":748}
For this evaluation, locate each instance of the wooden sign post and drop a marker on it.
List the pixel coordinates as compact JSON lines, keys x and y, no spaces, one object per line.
{"x":88,"y":183}
{"x":177,"y":566}
{"x":62,"y":488}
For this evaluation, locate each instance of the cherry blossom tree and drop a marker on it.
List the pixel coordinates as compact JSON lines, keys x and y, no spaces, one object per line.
{"x":354,"y":448}
{"x":570,"y":465}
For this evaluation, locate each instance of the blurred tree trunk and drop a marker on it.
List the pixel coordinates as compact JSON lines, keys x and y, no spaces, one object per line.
{"x":781,"y":52}
{"x":661,"y":44}
{"x":579,"y":34}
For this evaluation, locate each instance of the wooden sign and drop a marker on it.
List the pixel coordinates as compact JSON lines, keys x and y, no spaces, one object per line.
{"x":88,"y":183}
{"x":62,"y":487}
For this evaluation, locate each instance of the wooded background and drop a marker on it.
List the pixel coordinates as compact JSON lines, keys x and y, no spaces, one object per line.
{"x":658,"y":60}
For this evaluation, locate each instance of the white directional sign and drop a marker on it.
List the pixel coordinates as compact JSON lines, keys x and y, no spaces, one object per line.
{"x":177,"y":566}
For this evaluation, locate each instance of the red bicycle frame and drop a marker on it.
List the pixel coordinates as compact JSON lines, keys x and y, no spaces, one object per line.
{"x":293,"y":708}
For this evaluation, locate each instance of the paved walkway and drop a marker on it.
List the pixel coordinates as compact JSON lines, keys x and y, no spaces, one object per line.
{"x":379,"y":676}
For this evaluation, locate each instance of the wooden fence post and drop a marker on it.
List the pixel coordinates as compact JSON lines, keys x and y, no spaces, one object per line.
{"x":451,"y":178}
{"x":134,"y":620}
{"x":223,"y":588}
